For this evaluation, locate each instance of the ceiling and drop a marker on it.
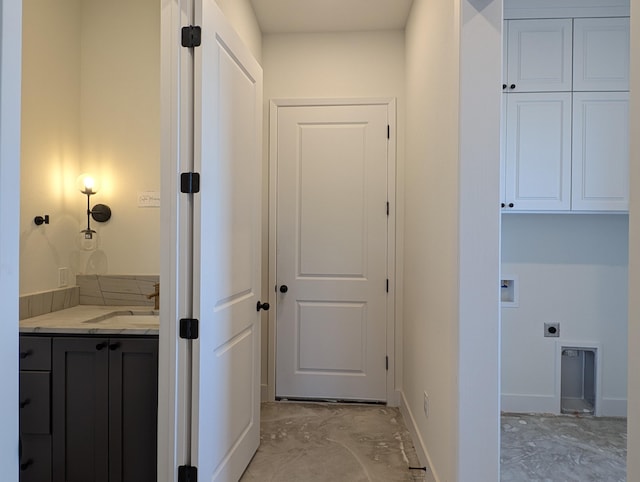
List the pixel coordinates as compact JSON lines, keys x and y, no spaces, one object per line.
{"x":287,"y":16}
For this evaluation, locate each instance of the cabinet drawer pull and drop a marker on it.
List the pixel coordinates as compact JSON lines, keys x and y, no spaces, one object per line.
{"x":25,"y":354}
{"x":510,"y":205}
{"x":512,"y":86}
{"x":101,"y":345}
{"x":26,"y":465}
{"x":114,"y":346}
{"x":25,"y":402}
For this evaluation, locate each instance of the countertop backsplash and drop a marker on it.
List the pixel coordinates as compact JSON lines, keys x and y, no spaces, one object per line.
{"x":37,"y":304}
{"x":110,"y":290}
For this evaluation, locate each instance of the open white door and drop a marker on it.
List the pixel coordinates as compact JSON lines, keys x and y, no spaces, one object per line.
{"x":227,"y":223}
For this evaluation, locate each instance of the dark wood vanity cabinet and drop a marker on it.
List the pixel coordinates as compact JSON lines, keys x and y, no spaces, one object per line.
{"x":103,"y":410}
{"x":35,"y":408}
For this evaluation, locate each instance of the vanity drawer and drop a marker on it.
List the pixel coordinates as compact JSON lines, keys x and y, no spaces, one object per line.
{"x":35,"y":402}
{"x":35,"y":462}
{"x":35,"y":353}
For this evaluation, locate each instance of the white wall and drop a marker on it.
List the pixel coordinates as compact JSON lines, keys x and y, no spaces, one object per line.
{"x":91,"y":104}
{"x":50,"y":159}
{"x":450,"y":319}
{"x":10,"y":46}
{"x":572,"y":269}
{"x":331,"y":65}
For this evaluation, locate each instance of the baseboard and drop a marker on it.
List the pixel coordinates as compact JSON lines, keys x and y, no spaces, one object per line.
{"x":512,"y":403}
{"x":515,"y":403}
{"x":394,"y":399}
{"x":613,"y":407}
{"x":418,"y":442}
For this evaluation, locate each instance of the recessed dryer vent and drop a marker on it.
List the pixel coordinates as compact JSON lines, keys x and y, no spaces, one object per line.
{"x":578,"y":380}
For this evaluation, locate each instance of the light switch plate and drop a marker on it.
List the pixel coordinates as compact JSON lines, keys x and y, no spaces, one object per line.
{"x":148,"y":199}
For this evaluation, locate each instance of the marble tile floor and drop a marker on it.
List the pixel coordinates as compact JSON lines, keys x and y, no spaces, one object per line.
{"x":563,"y":448}
{"x":319,"y":442}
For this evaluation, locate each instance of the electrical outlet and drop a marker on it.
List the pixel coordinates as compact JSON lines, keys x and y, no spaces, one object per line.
{"x":552,"y":330}
{"x":63,"y":277}
{"x":426,"y":405}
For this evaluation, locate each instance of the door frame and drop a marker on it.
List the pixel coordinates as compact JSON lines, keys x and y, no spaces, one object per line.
{"x":269,"y":391}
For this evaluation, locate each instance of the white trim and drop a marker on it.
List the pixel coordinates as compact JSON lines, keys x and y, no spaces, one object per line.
{"x":613,"y":407}
{"x":10,"y":88}
{"x":514,"y":9}
{"x":420,"y":446}
{"x":173,"y":364}
{"x":393,"y":295}
{"x":527,"y":403}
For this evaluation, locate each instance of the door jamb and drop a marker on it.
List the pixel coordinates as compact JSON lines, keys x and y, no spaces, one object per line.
{"x":392,"y":395}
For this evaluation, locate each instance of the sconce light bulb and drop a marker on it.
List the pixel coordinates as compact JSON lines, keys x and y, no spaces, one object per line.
{"x":87,"y":184}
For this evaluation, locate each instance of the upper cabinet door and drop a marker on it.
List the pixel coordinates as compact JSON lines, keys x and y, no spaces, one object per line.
{"x":539,"y":55}
{"x":601,"y":54}
{"x":538,"y":152}
{"x":600,"y":151}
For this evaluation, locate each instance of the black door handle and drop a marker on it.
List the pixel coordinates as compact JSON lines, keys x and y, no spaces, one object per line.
{"x":284,"y":289}
{"x":262,"y":306}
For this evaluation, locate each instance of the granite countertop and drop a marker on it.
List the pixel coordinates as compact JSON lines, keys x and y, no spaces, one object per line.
{"x":95,"y":319}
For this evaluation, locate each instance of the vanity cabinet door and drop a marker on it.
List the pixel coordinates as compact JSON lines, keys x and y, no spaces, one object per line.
{"x":35,"y":463}
{"x":105,"y":409}
{"x":80,"y":409}
{"x":133,"y":409}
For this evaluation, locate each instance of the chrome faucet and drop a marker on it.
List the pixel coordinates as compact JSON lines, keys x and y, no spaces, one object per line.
{"x":156,"y":296}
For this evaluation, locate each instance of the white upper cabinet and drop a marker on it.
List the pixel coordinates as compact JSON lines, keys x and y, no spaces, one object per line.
{"x":538,"y":55}
{"x":600,"y":151}
{"x":601,"y":54}
{"x":538,"y":152}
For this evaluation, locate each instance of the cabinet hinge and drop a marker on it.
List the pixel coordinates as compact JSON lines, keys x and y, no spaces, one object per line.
{"x":187,"y":473}
{"x":189,"y":328}
{"x":191,"y":36}
{"x":386,"y":362}
{"x":387,"y":285}
{"x":388,"y":131}
{"x":190,"y":182}
{"x":387,"y":208}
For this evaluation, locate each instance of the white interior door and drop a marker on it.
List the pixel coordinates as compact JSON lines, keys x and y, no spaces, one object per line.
{"x":331,"y":252}
{"x":226,"y":356}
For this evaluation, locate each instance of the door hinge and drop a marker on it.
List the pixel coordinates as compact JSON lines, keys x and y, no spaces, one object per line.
{"x":388,"y":131}
{"x":387,"y":208}
{"x":191,"y":36}
{"x":387,"y":285}
{"x":189,"y":328}
{"x":190,"y":182}
{"x":386,"y":362}
{"x":187,"y":473}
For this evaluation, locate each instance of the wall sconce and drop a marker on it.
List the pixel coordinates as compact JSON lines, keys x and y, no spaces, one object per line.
{"x":40,"y":220}
{"x":100,"y":212}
